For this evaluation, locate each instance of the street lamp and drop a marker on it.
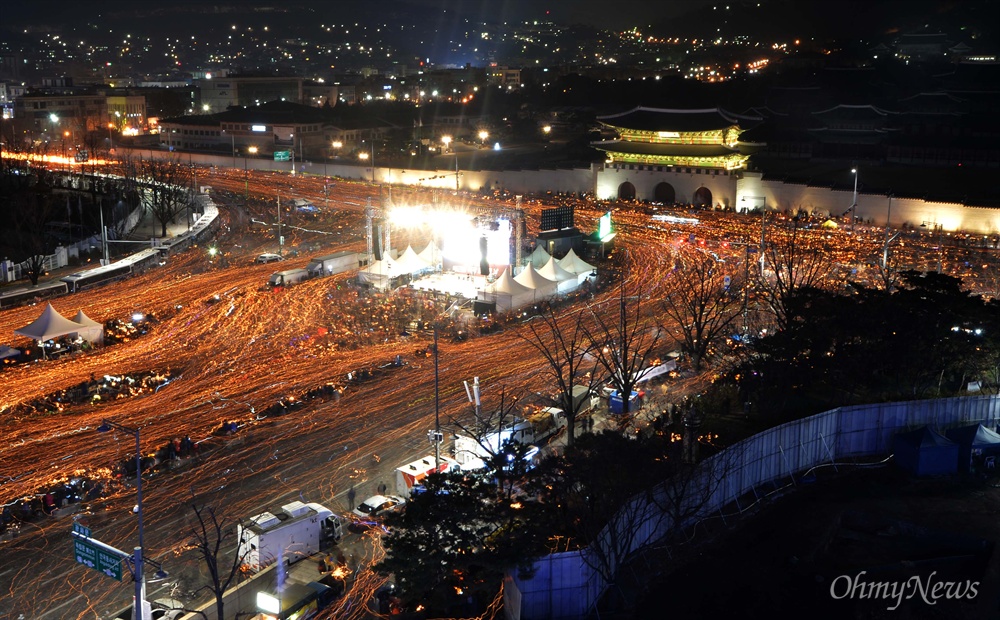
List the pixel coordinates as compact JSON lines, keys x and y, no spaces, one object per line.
{"x":446,"y":141}
{"x":246,"y":176}
{"x":141,"y":609}
{"x":854,"y":203}
{"x":483,"y":134}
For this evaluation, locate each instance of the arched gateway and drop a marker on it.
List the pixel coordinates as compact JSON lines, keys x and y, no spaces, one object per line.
{"x":626,"y":191}
{"x":703,"y":197}
{"x":664,"y":192}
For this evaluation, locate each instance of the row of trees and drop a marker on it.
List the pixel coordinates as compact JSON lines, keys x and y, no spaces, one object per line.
{"x":32,"y":199}
{"x":811,"y":339}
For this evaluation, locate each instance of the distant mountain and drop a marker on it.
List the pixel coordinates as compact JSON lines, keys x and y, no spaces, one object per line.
{"x":825,"y":20}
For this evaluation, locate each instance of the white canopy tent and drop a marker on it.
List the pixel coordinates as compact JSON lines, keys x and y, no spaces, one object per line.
{"x":380,"y":273}
{"x":565,"y":281}
{"x":576,"y":265}
{"x":6,"y":352}
{"x":431,"y":255}
{"x":92,"y":332}
{"x":542,"y":287}
{"x":49,"y":325}
{"x":539,"y":257}
{"x":411,"y":263}
{"x":507,"y":293}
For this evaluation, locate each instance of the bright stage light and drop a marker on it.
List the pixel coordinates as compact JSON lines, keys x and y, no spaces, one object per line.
{"x":461,"y":245}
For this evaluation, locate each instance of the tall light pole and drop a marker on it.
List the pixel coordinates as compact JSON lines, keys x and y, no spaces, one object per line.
{"x":246,"y":177}
{"x":281,"y":241}
{"x":885,"y":246}
{"x":140,"y":608}
{"x":854,"y":202}
{"x":437,"y":406}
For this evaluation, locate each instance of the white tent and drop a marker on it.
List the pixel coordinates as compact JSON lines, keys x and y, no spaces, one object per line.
{"x":565,"y":281}
{"x":379,"y":273}
{"x":410,"y":262}
{"x":6,"y":352}
{"x":576,"y":265}
{"x":539,"y":257}
{"x":507,"y":292}
{"x":431,"y":255}
{"x":543,"y":287}
{"x":49,"y":325}
{"x":92,"y":332}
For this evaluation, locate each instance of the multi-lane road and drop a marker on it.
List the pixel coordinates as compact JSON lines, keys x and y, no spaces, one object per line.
{"x":231,"y":359}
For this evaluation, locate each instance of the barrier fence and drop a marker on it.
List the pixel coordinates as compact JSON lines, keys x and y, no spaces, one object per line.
{"x":570,"y":584}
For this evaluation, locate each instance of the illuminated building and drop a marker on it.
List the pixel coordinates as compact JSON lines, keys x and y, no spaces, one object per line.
{"x":668,"y":156}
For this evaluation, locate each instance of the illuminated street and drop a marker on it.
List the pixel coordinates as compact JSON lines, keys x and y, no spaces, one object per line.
{"x":232,"y":359}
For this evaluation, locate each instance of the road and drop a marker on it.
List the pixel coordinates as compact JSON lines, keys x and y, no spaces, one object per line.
{"x":231,"y":360}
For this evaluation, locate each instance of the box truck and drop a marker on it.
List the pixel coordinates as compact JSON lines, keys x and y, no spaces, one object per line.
{"x":333,"y":263}
{"x":288,"y":278}
{"x":296,"y":532}
{"x":411,"y":474}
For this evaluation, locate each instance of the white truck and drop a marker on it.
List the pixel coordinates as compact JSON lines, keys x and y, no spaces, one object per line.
{"x":412,"y":474}
{"x":534,"y":429}
{"x":296,"y":532}
{"x":288,"y":277}
{"x":333,"y":264}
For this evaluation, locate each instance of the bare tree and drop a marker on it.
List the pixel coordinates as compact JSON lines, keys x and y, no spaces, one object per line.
{"x":32,"y":207}
{"x":790,"y":264}
{"x":165,"y":192}
{"x":703,"y":305}
{"x":210,"y":536}
{"x":566,"y":349}
{"x":493,"y":436}
{"x":624,"y":344}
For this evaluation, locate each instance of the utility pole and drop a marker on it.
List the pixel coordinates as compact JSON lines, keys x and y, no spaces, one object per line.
{"x":437,"y":406}
{"x":456,"y":172}
{"x":763,"y":223}
{"x":885,"y":246}
{"x":854,"y":203}
{"x":369,"y":215}
{"x":281,"y":240}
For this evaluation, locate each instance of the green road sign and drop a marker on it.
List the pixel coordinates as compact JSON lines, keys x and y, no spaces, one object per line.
{"x":282,"y":156}
{"x":100,"y":560}
{"x":81,"y":529}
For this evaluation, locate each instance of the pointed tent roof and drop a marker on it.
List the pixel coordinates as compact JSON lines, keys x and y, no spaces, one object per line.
{"x":410,"y":262}
{"x":85,"y":320}
{"x":553,"y":271}
{"x":574,"y":264}
{"x":924,"y":437}
{"x":49,"y":325}
{"x":531,"y":278}
{"x":974,"y":435}
{"x":383,"y":267}
{"x":508,"y":285}
{"x":539,"y":257}
{"x":431,"y":254}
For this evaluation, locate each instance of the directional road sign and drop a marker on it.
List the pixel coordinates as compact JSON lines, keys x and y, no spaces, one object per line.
{"x":90,"y":555}
{"x":282,"y":156}
{"x":82,"y":530}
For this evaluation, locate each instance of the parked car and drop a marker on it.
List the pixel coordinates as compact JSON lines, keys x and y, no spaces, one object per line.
{"x":368,"y":512}
{"x":267,"y":257}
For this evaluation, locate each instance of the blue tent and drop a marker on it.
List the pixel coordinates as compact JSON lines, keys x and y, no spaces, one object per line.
{"x":975,"y":442}
{"x":924,"y":452}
